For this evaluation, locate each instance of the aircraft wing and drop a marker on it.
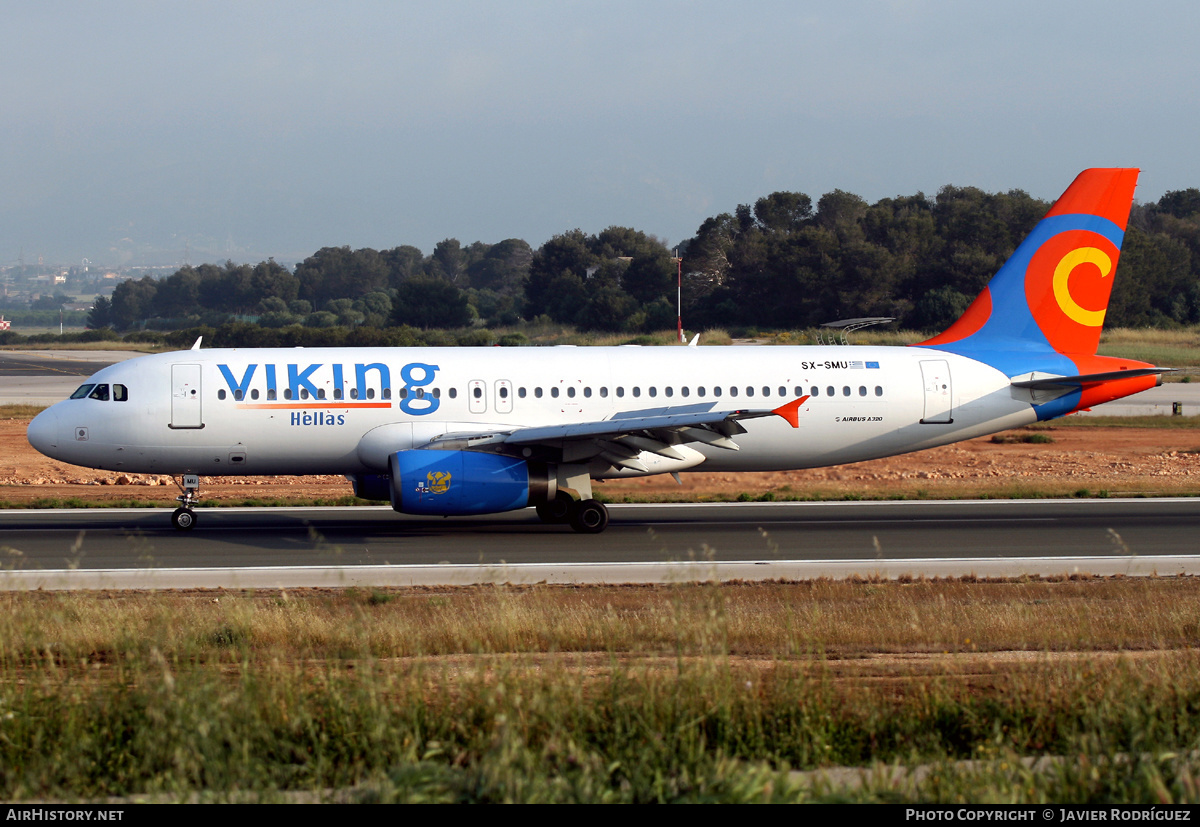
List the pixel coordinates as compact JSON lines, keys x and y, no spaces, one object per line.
{"x":621,"y":438}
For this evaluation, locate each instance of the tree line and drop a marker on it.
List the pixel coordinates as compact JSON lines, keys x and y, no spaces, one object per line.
{"x":780,"y":263}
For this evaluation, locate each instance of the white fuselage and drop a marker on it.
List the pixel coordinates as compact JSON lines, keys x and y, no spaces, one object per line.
{"x":341,"y":410}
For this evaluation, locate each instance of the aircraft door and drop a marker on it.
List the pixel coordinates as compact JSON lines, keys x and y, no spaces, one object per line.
{"x":503,"y":396}
{"x":477,"y":396}
{"x":939,"y":392}
{"x":186,"y":397}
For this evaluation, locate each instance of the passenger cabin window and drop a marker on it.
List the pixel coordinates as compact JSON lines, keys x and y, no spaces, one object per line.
{"x":554,"y":392}
{"x":815,"y":391}
{"x":521,"y":393}
{"x":700,"y":391}
{"x":845,"y":390}
{"x":454,"y":393}
{"x":238,"y":395}
{"x":862,"y":390}
{"x":571,"y":393}
{"x":537,"y":393}
{"x":878,"y":390}
{"x":271,"y":394}
{"x":653,"y":391}
{"x":733,"y":391}
{"x":221,"y":393}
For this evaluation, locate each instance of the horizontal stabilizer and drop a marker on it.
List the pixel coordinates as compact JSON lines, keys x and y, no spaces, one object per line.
{"x":1050,"y":383}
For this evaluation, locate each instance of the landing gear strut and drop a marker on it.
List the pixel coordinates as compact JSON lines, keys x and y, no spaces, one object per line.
{"x":184,"y":519}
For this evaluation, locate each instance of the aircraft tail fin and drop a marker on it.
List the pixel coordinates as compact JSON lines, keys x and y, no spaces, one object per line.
{"x":1039,"y":319}
{"x":1052,"y":294}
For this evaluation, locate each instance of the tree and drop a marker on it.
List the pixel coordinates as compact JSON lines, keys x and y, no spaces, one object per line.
{"x":429,"y":302}
{"x":403,"y":263}
{"x":101,"y":313}
{"x":556,"y":276}
{"x":448,"y":260}
{"x":650,"y":276}
{"x":783,"y":212}
{"x":132,"y":301}
{"x":1180,"y":203}
{"x":504,"y":268}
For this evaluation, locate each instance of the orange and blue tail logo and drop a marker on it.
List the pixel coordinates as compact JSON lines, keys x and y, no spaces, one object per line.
{"x":1043,"y":311}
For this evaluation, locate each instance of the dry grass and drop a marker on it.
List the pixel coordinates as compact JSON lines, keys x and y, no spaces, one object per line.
{"x":846,"y":619}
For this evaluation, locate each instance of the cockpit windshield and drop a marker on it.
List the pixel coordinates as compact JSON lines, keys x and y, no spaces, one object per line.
{"x":120,"y":393}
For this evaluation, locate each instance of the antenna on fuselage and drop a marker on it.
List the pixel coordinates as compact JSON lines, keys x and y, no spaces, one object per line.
{"x":197,"y":345}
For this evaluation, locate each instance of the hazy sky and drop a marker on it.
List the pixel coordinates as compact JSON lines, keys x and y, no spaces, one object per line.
{"x":254,"y":129}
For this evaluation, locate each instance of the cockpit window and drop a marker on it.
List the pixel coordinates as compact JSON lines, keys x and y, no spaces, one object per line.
{"x":99,"y":392}
{"x":120,"y":393}
{"x":82,"y":392}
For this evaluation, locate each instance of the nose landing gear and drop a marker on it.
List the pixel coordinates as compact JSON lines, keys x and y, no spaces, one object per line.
{"x":184,"y":519}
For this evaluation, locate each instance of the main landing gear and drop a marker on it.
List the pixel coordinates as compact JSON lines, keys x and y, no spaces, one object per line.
{"x":585,"y":516}
{"x":184,"y":519}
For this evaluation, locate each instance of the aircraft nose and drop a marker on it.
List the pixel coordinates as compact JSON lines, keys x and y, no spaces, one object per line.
{"x":43,"y":432}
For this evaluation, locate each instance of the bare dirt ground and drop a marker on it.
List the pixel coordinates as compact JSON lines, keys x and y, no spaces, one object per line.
{"x":1102,"y":461}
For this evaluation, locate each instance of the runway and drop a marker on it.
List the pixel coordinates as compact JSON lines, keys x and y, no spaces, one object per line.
{"x":293,"y":547}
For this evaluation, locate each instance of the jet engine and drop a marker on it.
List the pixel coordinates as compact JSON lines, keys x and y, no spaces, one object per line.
{"x":447,"y":483}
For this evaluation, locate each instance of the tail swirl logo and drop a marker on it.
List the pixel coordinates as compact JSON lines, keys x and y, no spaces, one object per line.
{"x":1067,"y":285}
{"x":1062,"y":291}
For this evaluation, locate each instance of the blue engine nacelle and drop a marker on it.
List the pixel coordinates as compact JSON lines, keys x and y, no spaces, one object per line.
{"x":446,"y":483}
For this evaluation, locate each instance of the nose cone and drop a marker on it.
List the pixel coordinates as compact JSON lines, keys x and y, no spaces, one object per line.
{"x":43,"y":432}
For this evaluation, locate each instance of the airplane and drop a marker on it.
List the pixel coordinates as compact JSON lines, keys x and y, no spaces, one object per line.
{"x":459,"y":431}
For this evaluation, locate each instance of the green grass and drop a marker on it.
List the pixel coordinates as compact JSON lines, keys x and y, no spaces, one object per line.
{"x":1165,"y":422}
